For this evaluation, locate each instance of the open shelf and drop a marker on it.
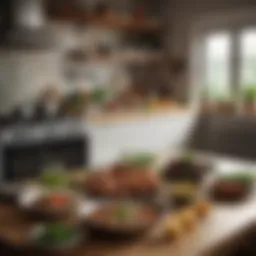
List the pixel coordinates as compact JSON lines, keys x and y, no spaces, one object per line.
{"x":149,"y":26}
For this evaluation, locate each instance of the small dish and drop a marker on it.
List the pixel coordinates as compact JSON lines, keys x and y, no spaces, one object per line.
{"x":232,"y":187}
{"x":56,"y":205}
{"x":122,"y":220}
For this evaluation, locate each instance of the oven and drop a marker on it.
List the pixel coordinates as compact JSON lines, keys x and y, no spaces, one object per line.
{"x":26,"y":151}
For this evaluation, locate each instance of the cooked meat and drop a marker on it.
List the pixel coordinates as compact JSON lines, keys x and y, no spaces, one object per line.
{"x":123,"y":181}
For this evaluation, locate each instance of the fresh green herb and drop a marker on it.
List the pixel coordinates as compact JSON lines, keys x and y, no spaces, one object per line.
{"x":250,"y":93}
{"x":142,"y":159}
{"x":239,"y":177}
{"x":189,"y":157}
{"x":56,"y":234}
{"x":124,"y":212}
{"x":54,"y":178}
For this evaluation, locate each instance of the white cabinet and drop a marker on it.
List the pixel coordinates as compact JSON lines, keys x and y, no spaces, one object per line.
{"x":155,"y":134}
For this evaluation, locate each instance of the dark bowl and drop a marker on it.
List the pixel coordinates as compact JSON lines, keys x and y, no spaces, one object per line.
{"x":113,"y":233}
{"x":221,"y":195}
{"x":181,"y":170}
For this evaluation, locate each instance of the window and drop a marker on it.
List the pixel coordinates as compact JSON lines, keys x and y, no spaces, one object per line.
{"x":218,"y":63}
{"x":230,"y":62}
{"x":248,"y":58}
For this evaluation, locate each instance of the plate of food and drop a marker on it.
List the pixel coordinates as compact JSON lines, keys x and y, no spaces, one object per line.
{"x":123,"y":181}
{"x":55,"y":237}
{"x":139,"y":159}
{"x":132,"y":177}
{"x":52,"y":205}
{"x":232,"y":187}
{"x":122,"y":220}
{"x":186,"y":168}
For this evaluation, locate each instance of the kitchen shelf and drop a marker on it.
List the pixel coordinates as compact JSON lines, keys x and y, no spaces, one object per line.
{"x":130,"y":25}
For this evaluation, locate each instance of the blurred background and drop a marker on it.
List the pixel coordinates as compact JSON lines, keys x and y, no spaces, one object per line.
{"x":104,"y":90}
{"x":83,"y":81}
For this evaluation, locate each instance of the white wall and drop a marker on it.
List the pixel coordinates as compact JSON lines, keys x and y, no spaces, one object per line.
{"x":24,"y":74}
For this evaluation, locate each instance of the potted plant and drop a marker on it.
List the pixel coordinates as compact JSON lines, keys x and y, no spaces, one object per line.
{"x":249,"y":99}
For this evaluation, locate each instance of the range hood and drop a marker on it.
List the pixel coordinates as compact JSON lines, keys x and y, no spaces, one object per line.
{"x":29,"y":28}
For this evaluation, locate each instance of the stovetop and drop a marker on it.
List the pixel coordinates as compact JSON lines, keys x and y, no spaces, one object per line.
{"x":47,"y":130}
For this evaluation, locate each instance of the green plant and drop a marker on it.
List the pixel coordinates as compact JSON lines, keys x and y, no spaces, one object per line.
{"x":139,"y":159}
{"x":249,"y":93}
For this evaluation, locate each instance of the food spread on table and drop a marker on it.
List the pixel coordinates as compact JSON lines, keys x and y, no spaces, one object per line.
{"x":128,"y":201}
{"x":184,"y":220}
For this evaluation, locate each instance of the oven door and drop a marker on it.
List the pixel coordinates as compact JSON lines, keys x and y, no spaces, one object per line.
{"x":26,"y":161}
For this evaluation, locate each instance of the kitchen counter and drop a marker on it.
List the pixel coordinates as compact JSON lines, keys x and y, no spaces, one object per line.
{"x":157,"y":130}
{"x":138,"y":115}
{"x":225,"y":224}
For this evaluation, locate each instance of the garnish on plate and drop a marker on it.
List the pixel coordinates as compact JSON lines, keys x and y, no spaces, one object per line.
{"x":54,"y":178}
{"x":124,"y":212}
{"x":55,"y":236}
{"x":138,"y":159}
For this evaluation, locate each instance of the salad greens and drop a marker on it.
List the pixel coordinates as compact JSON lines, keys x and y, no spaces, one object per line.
{"x":189,"y":157}
{"x":243,"y":177}
{"x":54,"y":178}
{"x":139,"y":159}
{"x":125,"y":212}
{"x":250,"y":93}
{"x":56,"y":234}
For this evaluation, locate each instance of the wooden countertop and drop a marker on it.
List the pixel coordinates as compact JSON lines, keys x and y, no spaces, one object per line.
{"x":222,"y":225}
{"x":226,"y":223}
{"x":157,"y":110}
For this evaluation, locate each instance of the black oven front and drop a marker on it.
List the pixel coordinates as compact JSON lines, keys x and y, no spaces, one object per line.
{"x":26,"y":158}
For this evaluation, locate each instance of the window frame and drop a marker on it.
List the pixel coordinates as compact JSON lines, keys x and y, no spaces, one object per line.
{"x":234,"y":22}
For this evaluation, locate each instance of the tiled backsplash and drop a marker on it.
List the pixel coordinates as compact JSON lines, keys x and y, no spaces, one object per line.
{"x":24,"y":74}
